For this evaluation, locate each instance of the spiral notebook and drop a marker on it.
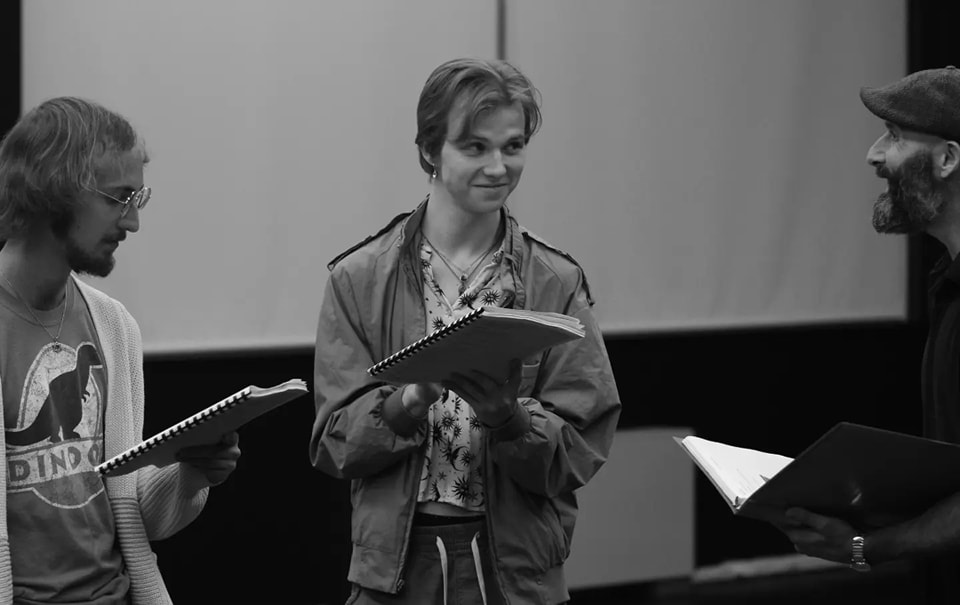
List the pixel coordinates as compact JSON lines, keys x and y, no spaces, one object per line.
{"x":486,"y":339}
{"x":204,"y":427}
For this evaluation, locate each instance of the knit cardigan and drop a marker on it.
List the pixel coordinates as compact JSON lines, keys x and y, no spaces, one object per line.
{"x":149,"y":504}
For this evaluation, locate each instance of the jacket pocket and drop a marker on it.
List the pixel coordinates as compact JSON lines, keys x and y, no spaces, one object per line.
{"x":534,"y":530}
{"x":528,"y":376}
{"x":563,"y":539}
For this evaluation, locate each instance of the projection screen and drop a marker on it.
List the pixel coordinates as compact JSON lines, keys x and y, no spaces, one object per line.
{"x":702,"y":159}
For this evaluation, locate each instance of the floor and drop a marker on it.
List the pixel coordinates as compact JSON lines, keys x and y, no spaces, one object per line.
{"x":893,"y":584}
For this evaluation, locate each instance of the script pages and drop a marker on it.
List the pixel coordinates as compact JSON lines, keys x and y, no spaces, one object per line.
{"x":736,"y":472}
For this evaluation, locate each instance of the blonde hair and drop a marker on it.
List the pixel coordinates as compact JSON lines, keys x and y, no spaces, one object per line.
{"x":51,"y":154}
{"x":476,"y":86}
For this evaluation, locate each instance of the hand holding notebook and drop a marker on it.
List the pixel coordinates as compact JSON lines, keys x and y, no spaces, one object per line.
{"x":486,"y":340}
{"x":215,"y":461}
{"x":867,"y":476}
{"x":203,"y":428}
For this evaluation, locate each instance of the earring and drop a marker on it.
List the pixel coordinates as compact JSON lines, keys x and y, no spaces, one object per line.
{"x":433,"y":175}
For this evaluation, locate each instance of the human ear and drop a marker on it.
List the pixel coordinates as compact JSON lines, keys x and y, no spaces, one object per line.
{"x":426,"y":157}
{"x":949,"y":159}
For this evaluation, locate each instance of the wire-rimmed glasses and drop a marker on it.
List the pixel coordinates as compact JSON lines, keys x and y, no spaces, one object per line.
{"x":138,"y":198}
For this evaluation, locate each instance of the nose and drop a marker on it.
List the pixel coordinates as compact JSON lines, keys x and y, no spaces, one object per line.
{"x":875,"y":155}
{"x":495,"y":167}
{"x":131,"y":220}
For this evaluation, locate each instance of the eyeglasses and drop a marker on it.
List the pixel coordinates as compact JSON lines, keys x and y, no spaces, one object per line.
{"x":138,"y":198}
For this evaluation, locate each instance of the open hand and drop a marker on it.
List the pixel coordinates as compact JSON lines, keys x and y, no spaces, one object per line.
{"x":215,"y":461}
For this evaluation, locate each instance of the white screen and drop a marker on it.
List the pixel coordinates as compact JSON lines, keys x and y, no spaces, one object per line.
{"x":702,"y":159}
{"x":705,"y":159}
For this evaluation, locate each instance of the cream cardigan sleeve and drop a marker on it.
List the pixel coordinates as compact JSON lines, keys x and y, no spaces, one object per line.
{"x":169,"y":498}
{"x":6,"y":572}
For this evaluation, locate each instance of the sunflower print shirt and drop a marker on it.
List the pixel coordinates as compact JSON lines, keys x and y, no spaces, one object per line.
{"x":453,"y":468}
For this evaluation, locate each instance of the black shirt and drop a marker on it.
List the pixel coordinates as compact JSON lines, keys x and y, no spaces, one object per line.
{"x":940,"y":371}
{"x":940,"y":390}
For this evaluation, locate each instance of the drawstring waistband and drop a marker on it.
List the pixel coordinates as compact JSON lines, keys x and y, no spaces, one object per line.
{"x":475,"y":549}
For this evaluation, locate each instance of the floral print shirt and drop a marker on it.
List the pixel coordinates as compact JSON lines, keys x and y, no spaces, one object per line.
{"x":453,"y":470}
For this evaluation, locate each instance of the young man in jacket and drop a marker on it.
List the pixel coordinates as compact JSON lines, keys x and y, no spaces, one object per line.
{"x":465,"y":488}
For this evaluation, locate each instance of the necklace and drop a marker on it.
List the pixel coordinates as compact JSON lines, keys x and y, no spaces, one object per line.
{"x":462,"y":274}
{"x":56,"y":339}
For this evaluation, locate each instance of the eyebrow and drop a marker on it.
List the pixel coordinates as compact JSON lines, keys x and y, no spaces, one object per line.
{"x":477,"y":137}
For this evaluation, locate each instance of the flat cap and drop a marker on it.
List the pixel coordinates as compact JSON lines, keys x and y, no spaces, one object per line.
{"x":925,"y":101}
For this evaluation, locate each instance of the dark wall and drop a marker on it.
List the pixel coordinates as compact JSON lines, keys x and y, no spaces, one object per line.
{"x":278,"y":531}
{"x":9,"y":63}
{"x":288,"y":525}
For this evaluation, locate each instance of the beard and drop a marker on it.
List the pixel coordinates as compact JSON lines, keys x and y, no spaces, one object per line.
{"x":78,"y":259}
{"x":82,"y":261}
{"x":914,"y":198}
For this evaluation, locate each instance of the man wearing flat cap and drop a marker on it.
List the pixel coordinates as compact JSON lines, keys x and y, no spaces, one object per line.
{"x":919,"y":156}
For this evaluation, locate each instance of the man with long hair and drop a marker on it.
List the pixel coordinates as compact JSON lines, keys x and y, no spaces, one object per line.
{"x":71,"y":371}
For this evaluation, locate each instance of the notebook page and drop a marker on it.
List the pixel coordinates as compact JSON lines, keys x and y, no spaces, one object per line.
{"x":736,"y":471}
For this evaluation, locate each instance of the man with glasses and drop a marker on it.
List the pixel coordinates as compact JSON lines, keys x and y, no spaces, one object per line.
{"x":71,"y":375}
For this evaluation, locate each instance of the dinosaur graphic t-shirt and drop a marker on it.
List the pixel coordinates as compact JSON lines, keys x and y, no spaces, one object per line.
{"x":62,"y":537}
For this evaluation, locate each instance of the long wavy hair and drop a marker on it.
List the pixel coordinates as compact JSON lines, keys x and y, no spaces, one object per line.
{"x":51,"y":154}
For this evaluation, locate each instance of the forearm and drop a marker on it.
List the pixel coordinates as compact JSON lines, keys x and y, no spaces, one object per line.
{"x":365,"y":436}
{"x":935,"y":532}
{"x":170,"y":498}
{"x":551,"y":456}
{"x":569,"y":419}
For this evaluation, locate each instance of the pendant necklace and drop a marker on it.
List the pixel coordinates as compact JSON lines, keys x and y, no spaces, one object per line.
{"x":461,"y":274}
{"x":56,"y":339}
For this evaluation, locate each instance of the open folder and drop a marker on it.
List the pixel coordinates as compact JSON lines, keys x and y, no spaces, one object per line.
{"x":204,"y":427}
{"x":867,"y":476}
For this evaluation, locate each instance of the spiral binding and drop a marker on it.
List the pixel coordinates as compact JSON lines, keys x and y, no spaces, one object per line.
{"x":175,"y":430}
{"x":425,"y":341}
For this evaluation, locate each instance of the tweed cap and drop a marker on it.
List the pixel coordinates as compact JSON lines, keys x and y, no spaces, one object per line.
{"x":925,"y":101}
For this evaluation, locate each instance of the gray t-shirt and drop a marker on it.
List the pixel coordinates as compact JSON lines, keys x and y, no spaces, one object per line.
{"x":62,"y":537}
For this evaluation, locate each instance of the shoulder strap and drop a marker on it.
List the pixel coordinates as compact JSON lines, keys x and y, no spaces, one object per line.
{"x":393,"y":222}
{"x":565,"y":255}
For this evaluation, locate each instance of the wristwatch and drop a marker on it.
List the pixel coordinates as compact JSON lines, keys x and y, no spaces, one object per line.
{"x":857,"y":561}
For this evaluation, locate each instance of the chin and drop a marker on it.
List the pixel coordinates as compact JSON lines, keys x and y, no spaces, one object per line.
{"x":488,"y":207}
{"x":491,"y":203}
{"x":890,"y":219}
{"x":97,"y":267}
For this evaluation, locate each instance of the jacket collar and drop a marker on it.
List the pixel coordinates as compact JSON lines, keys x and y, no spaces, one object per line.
{"x":410,"y":237}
